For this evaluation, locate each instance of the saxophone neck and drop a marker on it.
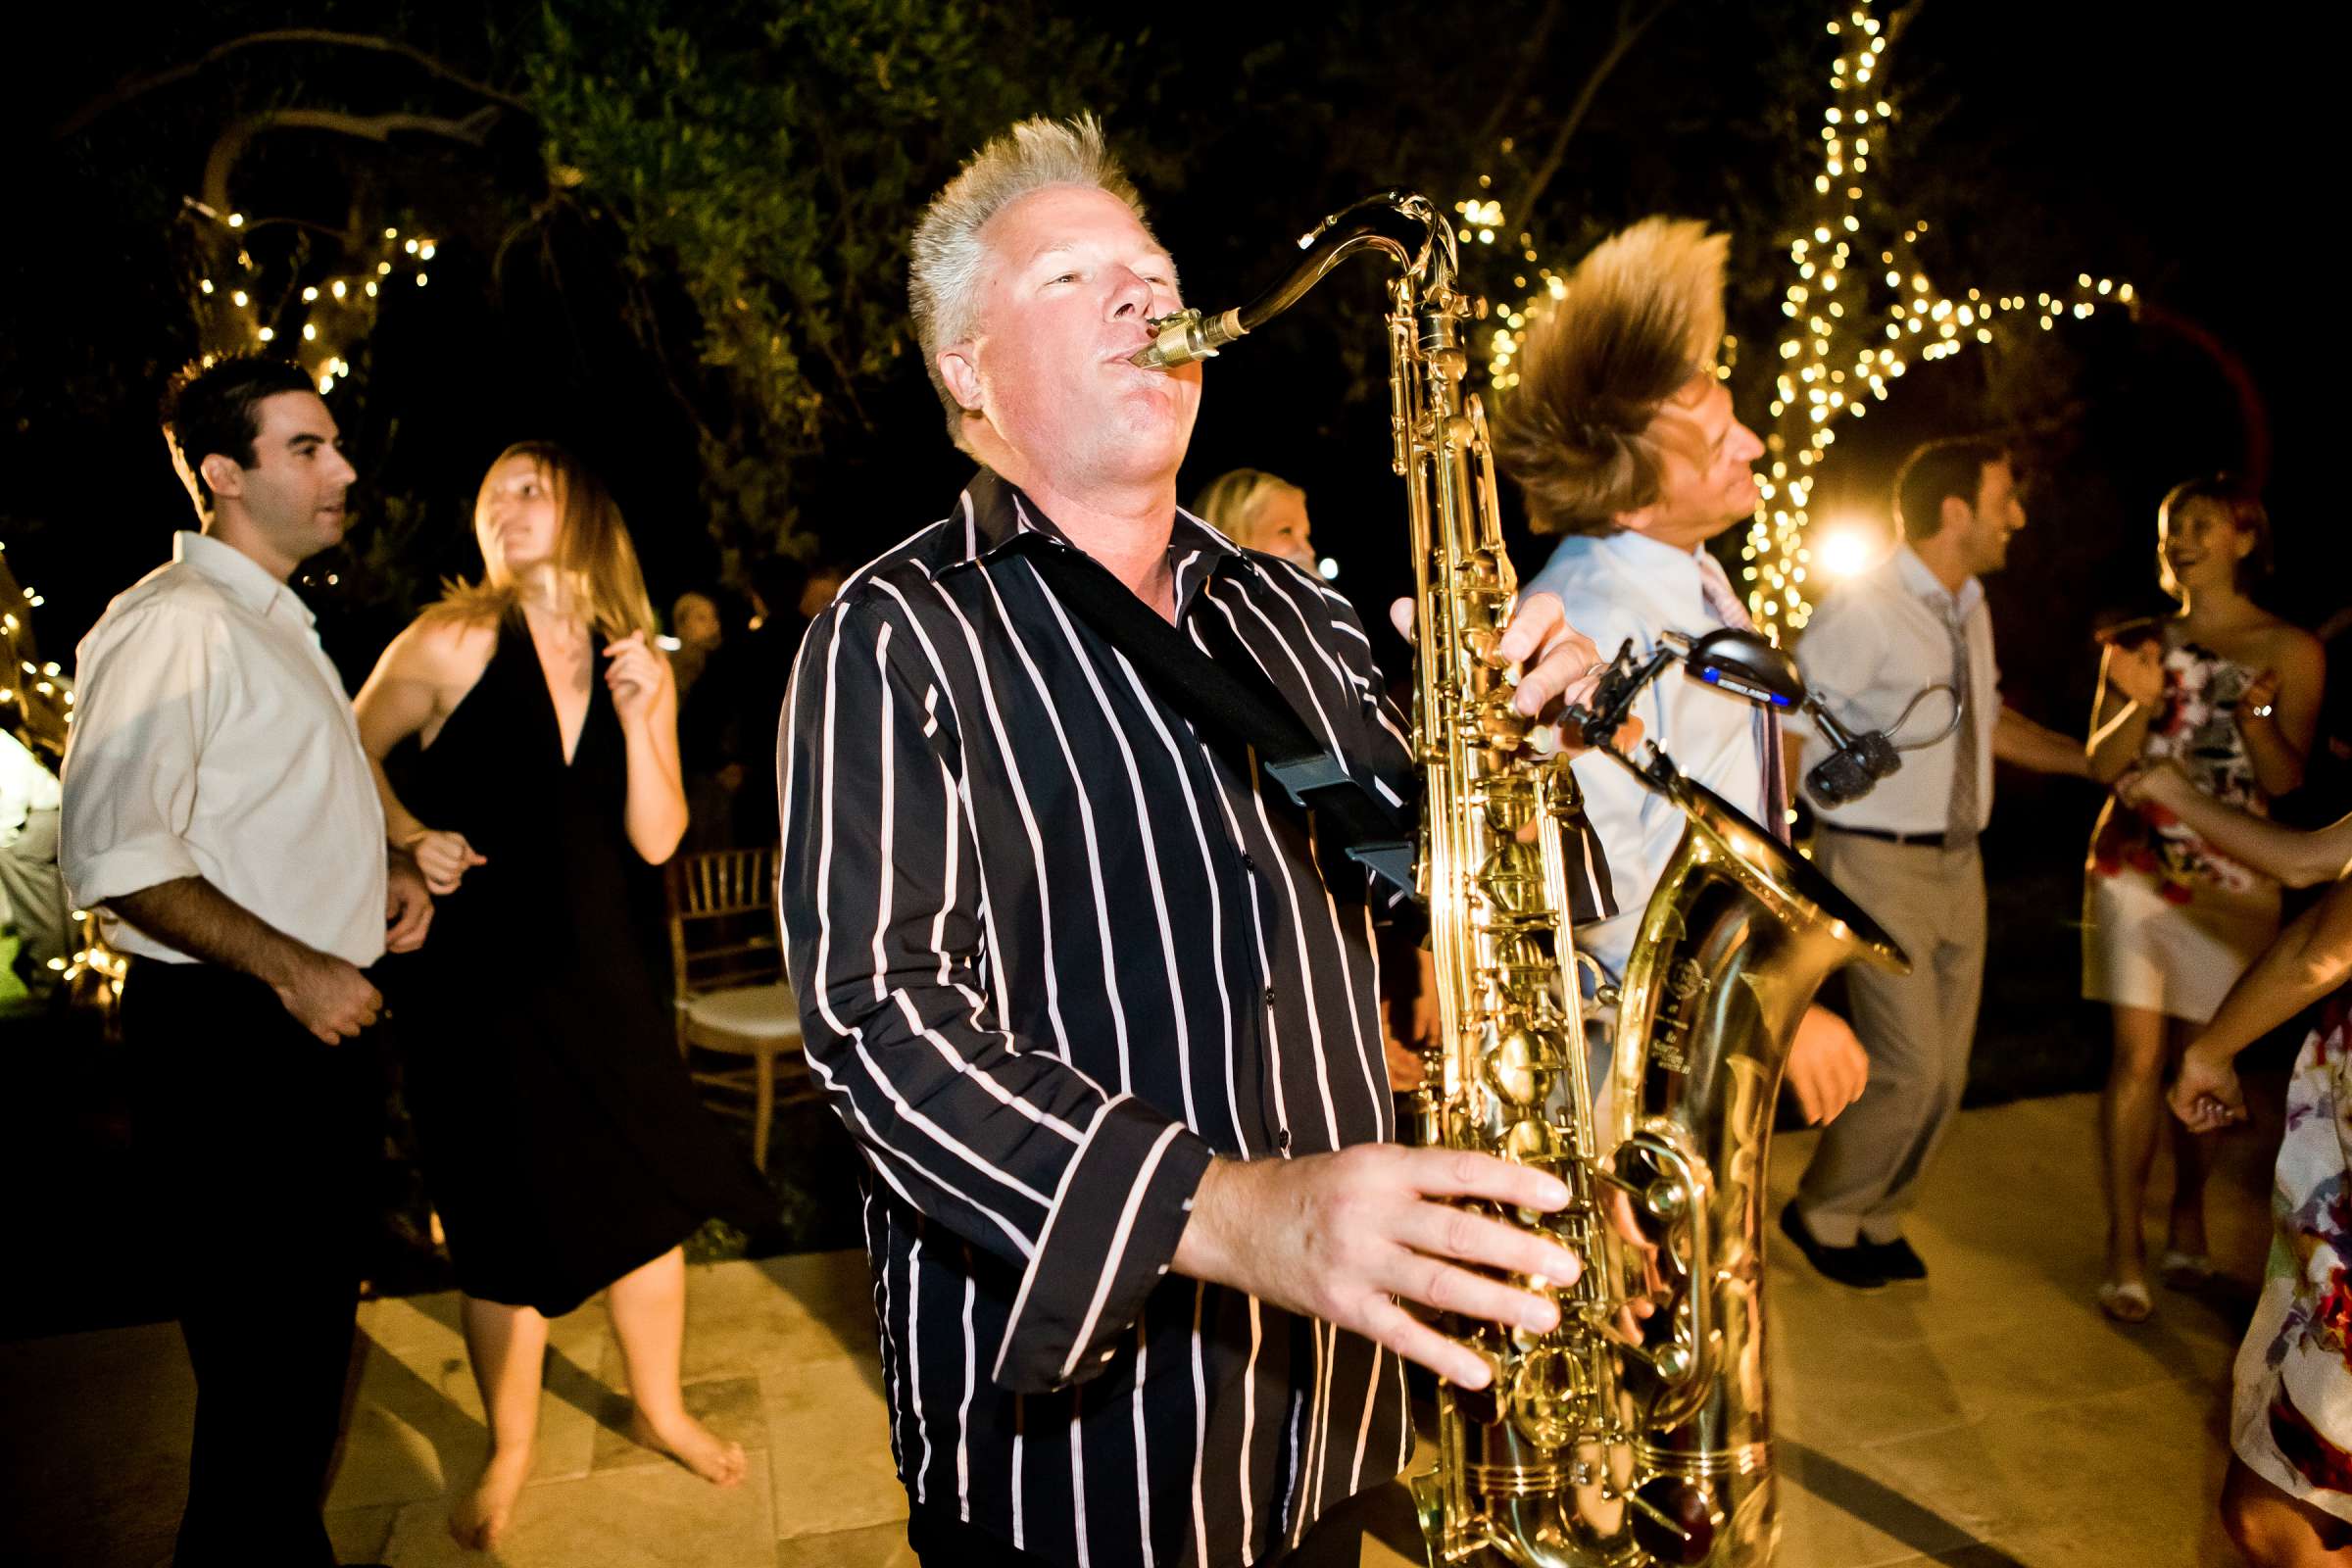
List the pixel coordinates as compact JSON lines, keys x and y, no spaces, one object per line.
{"x":1402,"y":225}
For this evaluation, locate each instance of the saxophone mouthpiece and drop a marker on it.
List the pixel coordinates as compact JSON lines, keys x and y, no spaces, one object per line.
{"x":1187,"y":337}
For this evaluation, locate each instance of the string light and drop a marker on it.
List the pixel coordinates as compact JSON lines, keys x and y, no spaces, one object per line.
{"x":328,"y":314}
{"x":1837,"y":363}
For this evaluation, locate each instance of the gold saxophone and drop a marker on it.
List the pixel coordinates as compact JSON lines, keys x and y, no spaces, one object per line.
{"x":1637,"y":1431}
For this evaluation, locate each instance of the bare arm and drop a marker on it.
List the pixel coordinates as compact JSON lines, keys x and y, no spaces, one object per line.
{"x":2131,"y":685}
{"x":2277,"y":743}
{"x":645,"y":695}
{"x":2018,"y":741}
{"x":405,"y":694}
{"x":2312,"y":956}
{"x":329,"y":996}
{"x":2297,"y":859}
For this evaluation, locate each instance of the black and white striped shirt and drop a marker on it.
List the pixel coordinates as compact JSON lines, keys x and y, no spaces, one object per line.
{"x":1054,"y":950}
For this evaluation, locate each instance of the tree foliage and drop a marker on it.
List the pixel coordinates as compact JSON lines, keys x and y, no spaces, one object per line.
{"x":761,"y":168}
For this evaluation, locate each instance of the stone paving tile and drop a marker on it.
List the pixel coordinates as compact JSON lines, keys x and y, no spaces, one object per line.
{"x":2106,"y":1545}
{"x":2143,"y":1466}
{"x":416,"y":1423}
{"x":772,"y":1314}
{"x":874,"y":1546}
{"x":1991,"y":1418}
{"x":1831,"y":1513}
{"x":361,"y":1535}
{"x":729,"y":1406}
{"x":652,"y":1517}
{"x":830,"y":1447}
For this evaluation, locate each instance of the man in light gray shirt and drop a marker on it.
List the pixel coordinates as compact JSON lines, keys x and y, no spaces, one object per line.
{"x":218,"y":808}
{"x":1907,"y":851}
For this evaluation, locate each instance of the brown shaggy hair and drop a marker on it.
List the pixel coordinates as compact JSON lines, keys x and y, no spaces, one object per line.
{"x":1642,"y":318}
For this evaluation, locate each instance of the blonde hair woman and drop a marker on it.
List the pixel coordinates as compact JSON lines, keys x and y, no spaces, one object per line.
{"x":563,"y":1144}
{"x":1258,"y":511}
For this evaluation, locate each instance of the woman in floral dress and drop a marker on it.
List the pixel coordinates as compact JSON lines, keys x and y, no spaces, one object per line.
{"x":2231,"y":694}
{"x":2288,"y":1500}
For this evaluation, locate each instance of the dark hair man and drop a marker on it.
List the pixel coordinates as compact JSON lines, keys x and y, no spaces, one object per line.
{"x":1907,"y":851}
{"x":1104,"y":1023}
{"x":218,"y":806}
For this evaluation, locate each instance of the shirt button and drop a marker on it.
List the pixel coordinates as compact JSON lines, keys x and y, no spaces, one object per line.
{"x":1282,"y":1140}
{"x":1248,"y":862}
{"x":1270,"y":999}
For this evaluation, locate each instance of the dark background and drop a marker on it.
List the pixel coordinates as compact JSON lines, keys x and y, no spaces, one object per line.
{"x":2186,"y":155}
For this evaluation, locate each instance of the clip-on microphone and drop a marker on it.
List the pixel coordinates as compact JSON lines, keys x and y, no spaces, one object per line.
{"x":1855,"y":764}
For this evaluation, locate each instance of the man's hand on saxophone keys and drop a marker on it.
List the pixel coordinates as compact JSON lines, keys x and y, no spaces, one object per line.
{"x":1345,"y":1237}
{"x":1560,"y":666}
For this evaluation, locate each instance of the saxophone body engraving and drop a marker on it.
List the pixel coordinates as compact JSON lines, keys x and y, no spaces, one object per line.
{"x":1618,"y":1439}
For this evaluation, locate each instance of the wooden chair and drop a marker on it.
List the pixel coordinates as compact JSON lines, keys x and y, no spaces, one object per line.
{"x":728,"y":968}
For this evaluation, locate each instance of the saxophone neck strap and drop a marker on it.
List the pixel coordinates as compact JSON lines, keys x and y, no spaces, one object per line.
{"x":1231,"y":697}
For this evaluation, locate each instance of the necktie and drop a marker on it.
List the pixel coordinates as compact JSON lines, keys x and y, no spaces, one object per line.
{"x":1715,"y":586}
{"x":1967,"y":813}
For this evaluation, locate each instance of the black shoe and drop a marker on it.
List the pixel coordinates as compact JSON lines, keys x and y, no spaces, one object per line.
{"x":1895,"y":1259}
{"x":1854,"y":1267}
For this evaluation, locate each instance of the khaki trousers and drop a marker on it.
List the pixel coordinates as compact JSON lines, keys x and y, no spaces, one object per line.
{"x":1918,"y":1029}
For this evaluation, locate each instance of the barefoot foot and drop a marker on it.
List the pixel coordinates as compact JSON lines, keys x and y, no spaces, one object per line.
{"x":692,"y":1444}
{"x":479,"y":1517}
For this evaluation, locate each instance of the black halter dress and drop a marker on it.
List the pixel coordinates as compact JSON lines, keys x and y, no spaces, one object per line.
{"x":561,"y":1142}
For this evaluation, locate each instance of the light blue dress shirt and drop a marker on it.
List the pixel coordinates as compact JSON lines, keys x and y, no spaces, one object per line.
{"x":1627,"y":585}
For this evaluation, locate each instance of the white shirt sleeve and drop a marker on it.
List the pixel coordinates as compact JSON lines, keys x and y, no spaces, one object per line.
{"x":16,"y":783}
{"x":143,"y":709}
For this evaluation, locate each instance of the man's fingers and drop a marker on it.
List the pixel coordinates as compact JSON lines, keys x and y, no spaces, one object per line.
{"x":1386,"y":1323}
{"x":1532,"y":625}
{"x":1447,"y":1288}
{"x":1441,"y":1230}
{"x":1401,"y":617}
{"x":1540,"y":685}
{"x":1466,"y":1173}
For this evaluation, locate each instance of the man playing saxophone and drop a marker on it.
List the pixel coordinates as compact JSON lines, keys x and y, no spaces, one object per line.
{"x":1624,"y":440}
{"x":1101,"y":1014}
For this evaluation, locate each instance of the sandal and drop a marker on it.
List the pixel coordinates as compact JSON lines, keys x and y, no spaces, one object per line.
{"x":2185,"y":1272}
{"x":2126,"y":1303}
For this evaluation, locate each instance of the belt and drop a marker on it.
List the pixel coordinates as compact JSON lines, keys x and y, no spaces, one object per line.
{"x":1924,"y":841}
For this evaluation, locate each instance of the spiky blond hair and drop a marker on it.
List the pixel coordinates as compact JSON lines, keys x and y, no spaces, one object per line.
{"x":1588,"y":429}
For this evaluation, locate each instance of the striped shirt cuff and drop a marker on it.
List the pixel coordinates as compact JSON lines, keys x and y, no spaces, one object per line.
{"x":1121,"y":1208}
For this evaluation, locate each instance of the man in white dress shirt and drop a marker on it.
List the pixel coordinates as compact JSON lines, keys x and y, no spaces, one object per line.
{"x":1623,"y":438}
{"x":218,"y":808}
{"x":1907,"y":851}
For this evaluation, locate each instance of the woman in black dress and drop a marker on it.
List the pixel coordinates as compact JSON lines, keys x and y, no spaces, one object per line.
{"x":562,"y":1140}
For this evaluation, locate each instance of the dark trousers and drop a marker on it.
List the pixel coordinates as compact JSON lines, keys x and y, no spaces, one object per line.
{"x":941,"y":1540}
{"x":260,"y":1145}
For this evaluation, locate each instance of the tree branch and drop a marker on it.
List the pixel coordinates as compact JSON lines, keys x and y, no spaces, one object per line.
{"x":1628,"y":32}
{"x":231,"y":144}
{"x":1531,"y":54}
{"x":129,"y":87}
